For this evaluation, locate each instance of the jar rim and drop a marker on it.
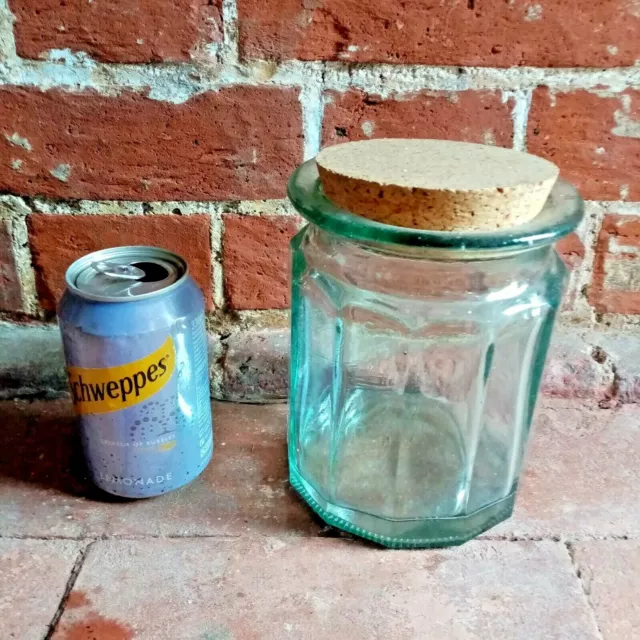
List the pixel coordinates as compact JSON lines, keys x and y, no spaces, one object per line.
{"x":560,"y":215}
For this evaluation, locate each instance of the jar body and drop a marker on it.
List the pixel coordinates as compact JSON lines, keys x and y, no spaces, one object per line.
{"x":413,"y":384}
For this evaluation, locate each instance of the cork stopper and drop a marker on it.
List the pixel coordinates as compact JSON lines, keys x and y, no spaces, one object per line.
{"x":436,"y":184}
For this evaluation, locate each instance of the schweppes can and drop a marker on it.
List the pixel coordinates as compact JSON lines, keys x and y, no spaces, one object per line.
{"x":135,"y":342}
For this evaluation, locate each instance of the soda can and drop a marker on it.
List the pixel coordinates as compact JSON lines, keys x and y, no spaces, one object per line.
{"x":135,"y":343}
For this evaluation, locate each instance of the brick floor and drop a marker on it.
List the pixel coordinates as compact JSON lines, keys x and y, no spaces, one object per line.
{"x":571,"y":489}
{"x":272,"y":588}
{"x":237,"y":556}
{"x":44,"y":490}
{"x":33,"y":579}
{"x":610,"y":573}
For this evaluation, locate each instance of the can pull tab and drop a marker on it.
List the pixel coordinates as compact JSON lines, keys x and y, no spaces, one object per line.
{"x":120,"y":271}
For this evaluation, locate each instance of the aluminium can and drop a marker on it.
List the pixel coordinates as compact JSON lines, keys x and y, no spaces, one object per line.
{"x":135,"y":343}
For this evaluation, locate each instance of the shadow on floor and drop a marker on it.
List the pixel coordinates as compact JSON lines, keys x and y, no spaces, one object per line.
{"x":40,"y":444}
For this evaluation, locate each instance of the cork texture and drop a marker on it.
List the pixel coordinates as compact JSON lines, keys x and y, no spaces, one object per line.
{"x":436,"y":184}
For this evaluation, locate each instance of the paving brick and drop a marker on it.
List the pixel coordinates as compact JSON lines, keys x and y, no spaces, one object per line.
{"x":470,"y":116}
{"x":116,"y":31}
{"x":57,"y":240}
{"x":34,"y":578}
{"x":272,"y":588}
{"x":610,"y":573}
{"x":592,"y":136}
{"x":236,"y":143}
{"x":256,"y":365}
{"x":580,"y":478}
{"x":615,"y":284}
{"x":10,"y":290}
{"x":549,"y":33}
{"x":44,"y":490}
{"x":256,"y":260}
{"x":572,"y":371}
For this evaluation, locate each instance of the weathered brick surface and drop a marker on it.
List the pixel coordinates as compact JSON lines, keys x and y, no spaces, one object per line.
{"x":256,"y":366}
{"x":238,"y":142}
{"x":592,"y":136}
{"x":615,"y":284}
{"x":574,"y":371}
{"x":624,"y":350}
{"x":34,"y":577}
{"x":31,"y":361}
{"x":116,"y":30}
{"x":45,"y":491}
{"x":471,"y":116}
{"x":550,"y":33}
{"x":57,"y":240}
{"x":579,"y":478}
{"x":610,"y":572}
{"x":272,"y":588}
{"x":10,"y":290}
{"x":256,"y":260}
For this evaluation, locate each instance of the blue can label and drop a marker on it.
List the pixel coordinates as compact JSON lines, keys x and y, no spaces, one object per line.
{"x":145,"y":414}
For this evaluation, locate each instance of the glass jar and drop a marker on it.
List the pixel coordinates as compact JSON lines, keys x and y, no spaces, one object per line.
{"x":416,"y":358}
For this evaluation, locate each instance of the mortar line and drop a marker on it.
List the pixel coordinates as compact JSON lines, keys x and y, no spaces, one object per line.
{"x":230,"y":48}
{"x":217,"y":268}
{"x":584,"y":588}
{"x":312,"y":103}
{"x":24,"y":265}
{"x":594,"y":215}
{"x":7,"y":38}
{"x":519,"y":115}
{"x":177,"y":83}
{"x":228,"y":536}
{"x":275,"y":206}
{"x":146,"y":536}
{"x":72,"y":207}
{"x":75,"y":571}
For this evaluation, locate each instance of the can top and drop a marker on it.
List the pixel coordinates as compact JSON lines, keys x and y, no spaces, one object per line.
{"x":126,"y":274}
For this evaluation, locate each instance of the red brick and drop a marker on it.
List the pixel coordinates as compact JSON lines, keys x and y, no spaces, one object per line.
{"x":10,"y":290}
{"x":256,"y":261}
{"x":471,"y":116}
{"x":116,"y":30}
{"x":552,"y":33}
{"x":615,"y":284}
{"x":57,"y":240}
{"x":236,"y":143}
{"x":593,"y":138}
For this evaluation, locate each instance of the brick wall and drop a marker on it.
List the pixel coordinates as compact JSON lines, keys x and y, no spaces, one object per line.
{"x":178,"y":122}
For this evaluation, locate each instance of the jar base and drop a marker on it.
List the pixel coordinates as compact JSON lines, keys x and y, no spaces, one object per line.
{"x":422,"y":533}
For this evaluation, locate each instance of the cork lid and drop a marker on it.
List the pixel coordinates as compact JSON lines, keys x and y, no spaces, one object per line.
{"x":436,"y":184}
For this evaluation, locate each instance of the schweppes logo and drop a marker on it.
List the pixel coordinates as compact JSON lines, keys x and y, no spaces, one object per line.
{"x":115,"y":388}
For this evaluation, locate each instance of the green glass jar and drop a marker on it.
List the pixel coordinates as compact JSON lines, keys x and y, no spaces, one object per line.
{"x":415,"y":365}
